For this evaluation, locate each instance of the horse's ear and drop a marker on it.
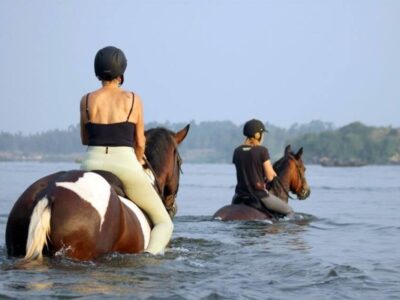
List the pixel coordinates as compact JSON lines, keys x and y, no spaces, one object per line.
{"x":299,"y":153}
{"x":181,"y":134}
{"x":288,"y":150}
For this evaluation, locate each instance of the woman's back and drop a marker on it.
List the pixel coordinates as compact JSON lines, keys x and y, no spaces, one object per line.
{"x":111,"y":105}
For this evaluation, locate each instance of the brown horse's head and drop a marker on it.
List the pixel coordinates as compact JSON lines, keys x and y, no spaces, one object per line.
{"x":162,"y":153}
{"x":291,"y":172}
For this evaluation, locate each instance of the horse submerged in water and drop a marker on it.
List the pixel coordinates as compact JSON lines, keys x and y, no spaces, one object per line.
{"x":83,"y":215}
{"x":291,"y":178}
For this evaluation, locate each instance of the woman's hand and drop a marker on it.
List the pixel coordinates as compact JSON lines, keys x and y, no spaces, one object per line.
{"x":144,"y":162}
{"x":269,"y":171}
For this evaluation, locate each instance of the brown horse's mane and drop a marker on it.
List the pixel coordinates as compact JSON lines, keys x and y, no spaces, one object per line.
{"x":280,"y":167}
{"x":158,"y":141}
{"x":282,"y":162}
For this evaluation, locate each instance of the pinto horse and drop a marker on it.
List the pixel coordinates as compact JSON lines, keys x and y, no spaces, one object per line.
{"x":82,"y":215}
{"x":290,"y":170}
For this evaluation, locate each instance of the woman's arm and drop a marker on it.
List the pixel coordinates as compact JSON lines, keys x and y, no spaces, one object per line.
{"x":269,"y":170}
{"x":84,"y":134}
{"x":140,"y":139}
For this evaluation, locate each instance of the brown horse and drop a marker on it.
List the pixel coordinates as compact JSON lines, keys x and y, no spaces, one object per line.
{"x":290,"y":170}
{"x":81,"y":215}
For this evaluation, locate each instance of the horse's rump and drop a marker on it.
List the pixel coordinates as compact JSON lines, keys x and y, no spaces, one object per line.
{"x":82,"y":215}
{"x":19,"y":218}
{"x":87,"y":218}
{"x":239,"y":212}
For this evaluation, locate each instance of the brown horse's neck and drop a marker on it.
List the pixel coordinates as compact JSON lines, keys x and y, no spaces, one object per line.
{"x":162,"y":153}
{"x":282,"y":185}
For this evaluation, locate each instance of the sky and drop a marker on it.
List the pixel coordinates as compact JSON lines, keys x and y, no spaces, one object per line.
{"x":281,"y":61}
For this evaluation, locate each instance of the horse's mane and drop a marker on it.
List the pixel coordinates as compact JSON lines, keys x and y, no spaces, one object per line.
{"x":280,"y":167}
{"x":158,"y":141}
{"x":281,"y":163}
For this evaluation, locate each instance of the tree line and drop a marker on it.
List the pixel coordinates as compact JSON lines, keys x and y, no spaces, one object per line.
{"x":214,"y":142}
{"x":353,"y":144}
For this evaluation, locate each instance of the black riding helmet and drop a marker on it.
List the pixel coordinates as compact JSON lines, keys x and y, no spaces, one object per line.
{"x":253,"y":126}
{"x":109,"y":63}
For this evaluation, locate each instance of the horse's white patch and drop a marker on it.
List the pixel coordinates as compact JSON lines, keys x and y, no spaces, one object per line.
{"x":92,"y":188}
{"x":142,"y":219}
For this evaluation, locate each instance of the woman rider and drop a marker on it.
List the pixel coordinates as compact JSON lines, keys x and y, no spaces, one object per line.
{"x":254,"y":168}
{"x":112,"y":126}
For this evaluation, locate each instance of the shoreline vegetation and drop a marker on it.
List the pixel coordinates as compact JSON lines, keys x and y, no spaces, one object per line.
{"x":352,"y":145}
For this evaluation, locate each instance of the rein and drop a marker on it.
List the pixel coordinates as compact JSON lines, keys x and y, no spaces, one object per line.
{"x":177,"y":163}
{"x":156,"y":182}
{"x":283,"y":188}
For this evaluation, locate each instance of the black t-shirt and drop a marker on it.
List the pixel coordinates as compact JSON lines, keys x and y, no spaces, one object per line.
{"x":249,"y":161}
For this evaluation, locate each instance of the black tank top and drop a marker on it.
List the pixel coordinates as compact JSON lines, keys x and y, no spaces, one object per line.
{"x":112,"y":135}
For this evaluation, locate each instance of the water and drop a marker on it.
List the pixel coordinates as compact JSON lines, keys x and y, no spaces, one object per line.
{"x":344,"y":244}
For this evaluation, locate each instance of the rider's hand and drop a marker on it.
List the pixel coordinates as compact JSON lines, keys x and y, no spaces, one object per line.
{"x":143,"y":161}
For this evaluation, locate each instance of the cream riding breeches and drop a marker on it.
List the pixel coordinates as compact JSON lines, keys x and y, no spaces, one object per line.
{"x":123,"y":163}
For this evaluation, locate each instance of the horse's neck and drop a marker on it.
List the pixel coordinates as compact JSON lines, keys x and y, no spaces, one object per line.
{"x":160,"y":167}
{"x":281,"y":191}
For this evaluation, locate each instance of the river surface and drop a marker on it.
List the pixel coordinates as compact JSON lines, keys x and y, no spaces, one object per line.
{"x":343,"y":244}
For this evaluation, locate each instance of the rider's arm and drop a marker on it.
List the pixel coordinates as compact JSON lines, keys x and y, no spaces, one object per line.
{"x":84,"y":134}
{"x":140,"y":139}
{"x":269,"y":171}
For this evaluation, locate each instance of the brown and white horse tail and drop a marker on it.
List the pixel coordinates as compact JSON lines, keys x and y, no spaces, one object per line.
{"x":39,"y":230}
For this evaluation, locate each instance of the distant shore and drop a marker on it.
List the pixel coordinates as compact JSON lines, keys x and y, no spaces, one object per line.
{"x":353,"y":145}
{"x":11,"y":157}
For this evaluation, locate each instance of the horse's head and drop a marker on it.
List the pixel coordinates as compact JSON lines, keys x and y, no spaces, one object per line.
{"x":291,"y":172}
{"x":162,"y":153}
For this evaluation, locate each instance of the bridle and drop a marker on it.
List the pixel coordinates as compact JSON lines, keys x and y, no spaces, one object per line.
{"x":172,"y":197}
{"x":300,"y":175}
{"x":167,"y":198}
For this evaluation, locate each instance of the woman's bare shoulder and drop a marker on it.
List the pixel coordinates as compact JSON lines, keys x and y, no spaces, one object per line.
{"x":130,"y":93}
{"x":137,"y":100}
{"x":83,"y":101}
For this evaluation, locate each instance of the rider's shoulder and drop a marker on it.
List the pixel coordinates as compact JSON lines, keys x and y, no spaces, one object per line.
{"x":83,"y":100}
{"x":260,"y":148}
{"x":130,"y":94}
{"x":137,"y":97}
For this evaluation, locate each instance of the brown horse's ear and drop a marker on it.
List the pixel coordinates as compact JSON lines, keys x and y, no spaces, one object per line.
{"x":288,"y":150}
{"x":299,"y":153}
{"x":181,"y":134}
